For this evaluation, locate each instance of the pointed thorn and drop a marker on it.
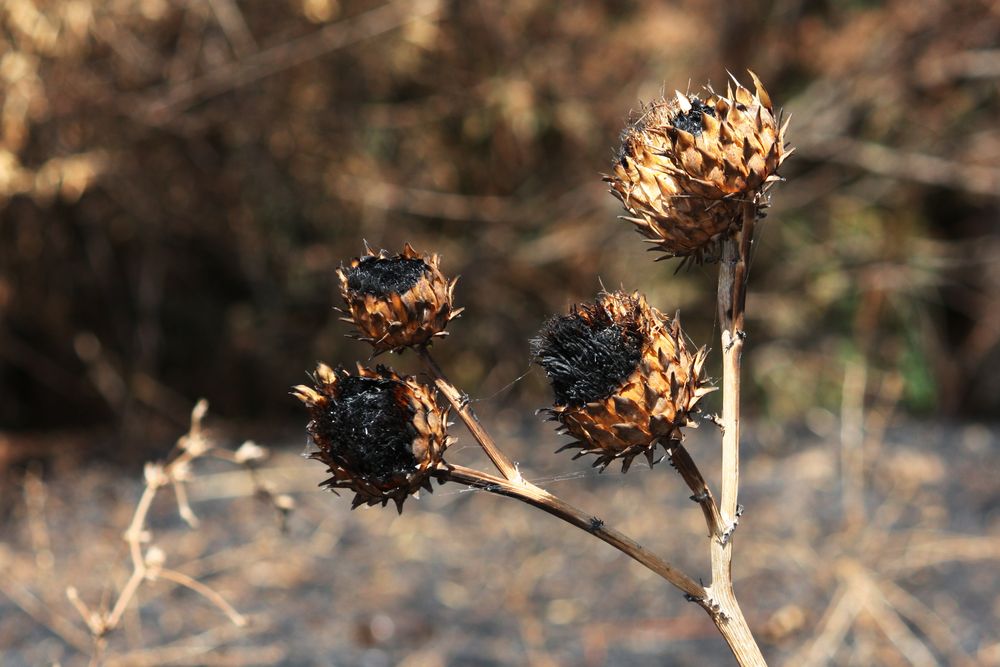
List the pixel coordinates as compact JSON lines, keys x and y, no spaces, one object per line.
{"x":682,"y":101}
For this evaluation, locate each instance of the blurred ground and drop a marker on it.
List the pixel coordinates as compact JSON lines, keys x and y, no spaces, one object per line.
{"x":465,"y":578}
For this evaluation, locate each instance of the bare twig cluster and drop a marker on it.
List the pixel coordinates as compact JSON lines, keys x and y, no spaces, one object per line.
{"x":149,"y":560}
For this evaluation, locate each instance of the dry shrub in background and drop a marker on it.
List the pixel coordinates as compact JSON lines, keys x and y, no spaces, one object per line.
{"x":199,"y":167}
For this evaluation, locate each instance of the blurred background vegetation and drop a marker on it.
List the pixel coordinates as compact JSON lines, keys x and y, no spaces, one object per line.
{"x":180,"y":179}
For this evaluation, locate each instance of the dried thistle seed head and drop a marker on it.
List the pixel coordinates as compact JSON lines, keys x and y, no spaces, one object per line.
{"x":687,"y":164}
{"x":622,"y":377}
{"x":397,"y":301}
{"x":380,"y":434}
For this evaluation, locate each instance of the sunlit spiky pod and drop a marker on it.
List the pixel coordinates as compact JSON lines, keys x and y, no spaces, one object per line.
{"x":687,"y":164}
{"x":622,"y":376}
{"x":380,"y":434}
{"x":397,"y":301}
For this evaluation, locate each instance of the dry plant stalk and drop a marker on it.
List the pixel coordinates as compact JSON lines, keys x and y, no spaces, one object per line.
{"x":732,"y":306}
{"x":693,"y":174}
{"x":149,"y":566}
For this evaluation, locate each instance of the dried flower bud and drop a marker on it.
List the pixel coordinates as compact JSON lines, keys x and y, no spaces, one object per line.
{"x":397,"y":301}
{"x":380,"y":434}
{"x":622,"y":377}
{"x":687,"y":164}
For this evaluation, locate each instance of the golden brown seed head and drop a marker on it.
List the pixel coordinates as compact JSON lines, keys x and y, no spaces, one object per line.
{"x":397,"y":301}
{"x":622,"y":377}
{"x":380,"y":434}
{"x":687,"y":164}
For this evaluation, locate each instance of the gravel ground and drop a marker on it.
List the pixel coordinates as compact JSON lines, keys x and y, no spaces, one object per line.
{"x":464,"y":578}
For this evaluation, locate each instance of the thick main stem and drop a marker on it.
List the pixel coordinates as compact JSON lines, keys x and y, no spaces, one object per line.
{"x":732,"y":304}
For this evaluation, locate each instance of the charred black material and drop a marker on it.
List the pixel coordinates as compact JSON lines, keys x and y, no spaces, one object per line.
{"x":368,"y":429}
{"x":384,"y":276}
{"x":692,"y":121}
{"x":586,"y":359}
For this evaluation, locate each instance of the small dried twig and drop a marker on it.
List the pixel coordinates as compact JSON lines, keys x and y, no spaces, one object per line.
{"x":35,"y":497}
{"x":852,"y":454}
{"x":179,"y":97}
{"x":231,"y":20}
{"x":973,"y":64}
{"x":907,"y":165}
{"x":831,"y":630}
{"x":199,"y":650}
{"x":149,"y":565}
{"x":236,"y":617}
{"x":249,"y":455}
{"x":937,"y":629}
{"x":937,"y":549}
{"x":27,"y":602}
{"x":895,"y":629}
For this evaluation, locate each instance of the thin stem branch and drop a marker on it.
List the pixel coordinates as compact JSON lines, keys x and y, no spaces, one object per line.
{"x":537,"y":497}
{"x":682,"y":462}
{"x":732,"y":306}
{"x":128,"y":592}
{"x":461,"y":405}
{"x":236,"y":617}
{"x":149,"y":566}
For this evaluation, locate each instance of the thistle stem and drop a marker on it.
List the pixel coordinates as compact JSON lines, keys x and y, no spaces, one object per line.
{"x":461,"y":405}
{"x":688,"y":470}
{"x":513,"y":485}
{"x":728,"y":616}
{"x":537,"y":497}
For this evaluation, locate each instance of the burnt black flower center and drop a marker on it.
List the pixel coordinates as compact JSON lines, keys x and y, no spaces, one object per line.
{"x":368,"y":429}
{"x":586,"y":357}
{"x":691,"y":121}
{"x":383,"y":276}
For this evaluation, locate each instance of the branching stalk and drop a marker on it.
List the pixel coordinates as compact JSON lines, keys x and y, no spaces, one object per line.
{"x":719,"y":599}
{"x":460,"y":404}
{"x":732,"y":306}
{"x":148,"y":566}
{"x":513,"y":485}
{"x":537,"y":497}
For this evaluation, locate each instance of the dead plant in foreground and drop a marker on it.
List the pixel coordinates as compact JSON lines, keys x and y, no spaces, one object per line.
{"x":693,"y":173}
